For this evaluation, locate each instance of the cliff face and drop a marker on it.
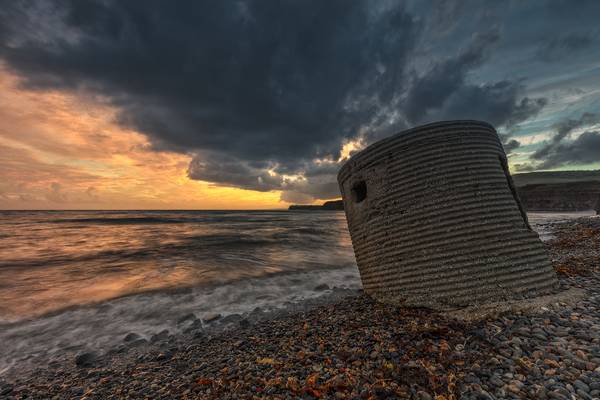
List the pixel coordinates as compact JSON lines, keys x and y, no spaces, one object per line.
{"x":569,"y":196}
{"x":550,"y":177}
{"x":333,"y":205}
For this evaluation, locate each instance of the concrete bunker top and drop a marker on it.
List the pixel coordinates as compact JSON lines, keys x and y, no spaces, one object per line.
{"x":405,"y":138}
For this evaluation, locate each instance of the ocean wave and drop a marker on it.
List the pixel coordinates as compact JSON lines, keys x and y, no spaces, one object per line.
{"x":102,"y":326}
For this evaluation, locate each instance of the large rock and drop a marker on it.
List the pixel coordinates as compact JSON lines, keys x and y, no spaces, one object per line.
{"x":86,"y":360}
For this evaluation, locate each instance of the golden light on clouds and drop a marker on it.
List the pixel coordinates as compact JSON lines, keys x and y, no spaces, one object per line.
{"x":350,"y":148}
{"x":64,"y":151}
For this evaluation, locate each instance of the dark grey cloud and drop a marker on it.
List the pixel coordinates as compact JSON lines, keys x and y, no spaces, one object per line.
{"x":510,"y":145}
{"x":316,"y":181}
{"x":583,"y":150}
{"x":277,"y":80}
{"x":560,"y":46}
{"x":559,"y":150}
{"x":257,"y":90}
{"x":497,"y":103}
{"x":444,"y":92}
{"x":430,"y":91}
{"x":230,"y":171}
{"x":563,"y":129}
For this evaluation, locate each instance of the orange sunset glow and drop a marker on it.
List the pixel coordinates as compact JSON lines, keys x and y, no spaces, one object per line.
{"x":62,"y":150}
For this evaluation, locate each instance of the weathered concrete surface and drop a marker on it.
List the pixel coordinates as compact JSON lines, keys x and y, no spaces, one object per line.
{"x":435,"y":220}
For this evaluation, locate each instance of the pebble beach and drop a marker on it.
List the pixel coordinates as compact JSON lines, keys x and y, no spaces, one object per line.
{"x":354,"y":348}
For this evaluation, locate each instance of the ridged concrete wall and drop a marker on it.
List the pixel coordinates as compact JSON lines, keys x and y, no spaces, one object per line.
{"x":435,"y":221}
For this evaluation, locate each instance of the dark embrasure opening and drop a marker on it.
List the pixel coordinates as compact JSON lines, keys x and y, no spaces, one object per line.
{"x":359,"y":191}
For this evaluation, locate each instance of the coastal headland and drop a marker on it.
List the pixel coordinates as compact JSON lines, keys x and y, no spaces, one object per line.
{"x":333,"y":205}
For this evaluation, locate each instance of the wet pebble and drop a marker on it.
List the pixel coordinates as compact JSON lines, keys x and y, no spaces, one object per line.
{"x":86,"y":360}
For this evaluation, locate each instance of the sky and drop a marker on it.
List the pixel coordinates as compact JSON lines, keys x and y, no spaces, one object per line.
{"x":256,"y":104}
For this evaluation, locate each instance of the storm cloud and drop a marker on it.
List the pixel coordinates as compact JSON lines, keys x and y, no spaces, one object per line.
{"x":444,"y":92}
{"x":263,"y":93}
{"x":557,"y":47}
{"x":560,"y":150}
{"x":258,"y":79}
{"x":583,"y":150}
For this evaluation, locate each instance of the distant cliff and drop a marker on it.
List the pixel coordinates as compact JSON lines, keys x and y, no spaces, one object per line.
{"x":559,"y":190}
{"x":334,"y":205}
{"x":569,"y":196}
{"x":548,"y":177}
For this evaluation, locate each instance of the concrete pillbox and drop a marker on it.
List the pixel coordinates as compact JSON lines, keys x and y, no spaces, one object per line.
{"x":435,"y":219}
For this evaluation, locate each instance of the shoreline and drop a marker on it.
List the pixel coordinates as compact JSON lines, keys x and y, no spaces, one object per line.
{"x":352,"y":347}
{"x":179,"y":290}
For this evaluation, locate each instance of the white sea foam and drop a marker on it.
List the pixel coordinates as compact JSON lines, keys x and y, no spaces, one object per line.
{"x":101,"y":327}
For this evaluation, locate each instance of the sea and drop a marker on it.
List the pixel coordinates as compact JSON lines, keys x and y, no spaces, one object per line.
{"x":74,"y":281}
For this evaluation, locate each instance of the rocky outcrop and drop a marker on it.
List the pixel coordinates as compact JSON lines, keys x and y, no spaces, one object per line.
{"x":568,"y":196}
